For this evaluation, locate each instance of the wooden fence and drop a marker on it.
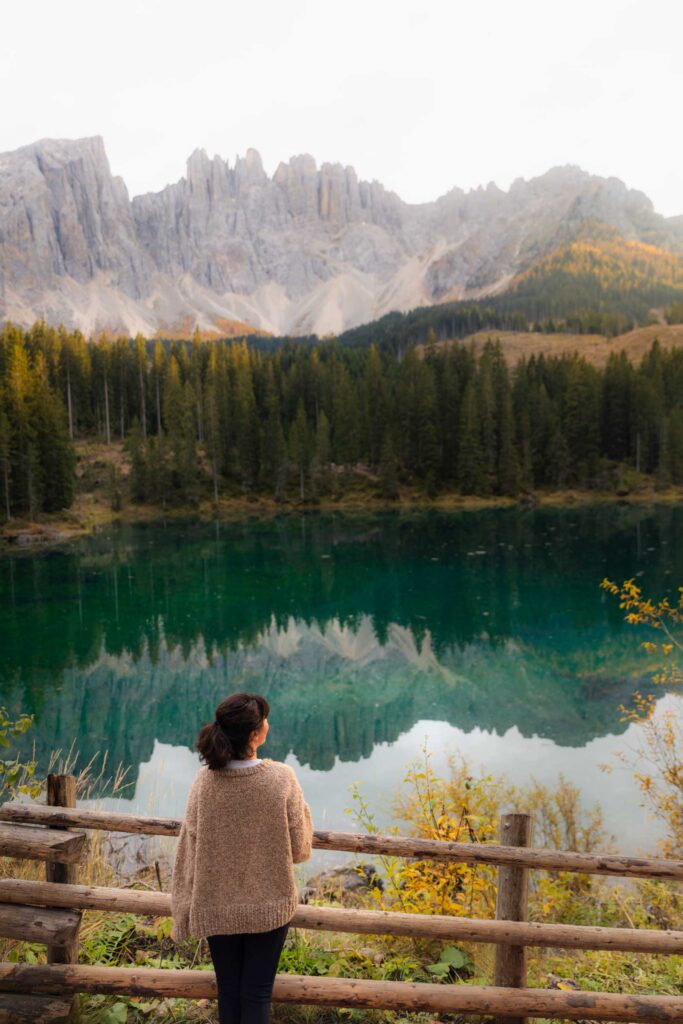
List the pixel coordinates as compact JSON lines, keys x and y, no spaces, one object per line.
{"x":50,"y":912}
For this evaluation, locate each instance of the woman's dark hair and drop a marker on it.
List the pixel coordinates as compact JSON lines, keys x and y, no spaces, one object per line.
{"x":227,"y":737}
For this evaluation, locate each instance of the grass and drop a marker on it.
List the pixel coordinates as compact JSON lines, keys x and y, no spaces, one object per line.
{"x":595,"y":348}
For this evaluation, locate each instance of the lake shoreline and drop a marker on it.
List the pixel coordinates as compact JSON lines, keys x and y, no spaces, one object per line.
{"x":95,"y":505}
{"x":90,"y":513}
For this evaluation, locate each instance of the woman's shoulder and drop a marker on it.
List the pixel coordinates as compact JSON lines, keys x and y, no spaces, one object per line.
{"x":267,"y":767}
{"x":279,"y":767}
{"x":283,"y":772}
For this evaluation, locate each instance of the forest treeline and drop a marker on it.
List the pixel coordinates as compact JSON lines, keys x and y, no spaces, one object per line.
{"x":600,"y":283}
{"x":227,"y":418}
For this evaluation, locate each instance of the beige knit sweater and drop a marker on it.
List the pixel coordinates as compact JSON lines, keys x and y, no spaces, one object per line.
{"x":244,"y":829}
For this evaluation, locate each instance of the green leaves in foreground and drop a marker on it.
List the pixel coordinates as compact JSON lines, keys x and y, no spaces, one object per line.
{"x":453,"y":964}
{"x":16,"y":776}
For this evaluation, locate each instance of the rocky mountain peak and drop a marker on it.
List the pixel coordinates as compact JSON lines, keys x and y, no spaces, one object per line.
{"x":308,"y":249}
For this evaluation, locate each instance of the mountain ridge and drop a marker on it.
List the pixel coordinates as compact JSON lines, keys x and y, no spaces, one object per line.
{"x":305,"y":250}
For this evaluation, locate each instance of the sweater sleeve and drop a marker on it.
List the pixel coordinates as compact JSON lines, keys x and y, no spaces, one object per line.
{"x":183,"y":870}
{"x":300,"y":823}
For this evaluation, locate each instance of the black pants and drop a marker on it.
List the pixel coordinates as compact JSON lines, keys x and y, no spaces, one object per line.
{"x":245,"y":967}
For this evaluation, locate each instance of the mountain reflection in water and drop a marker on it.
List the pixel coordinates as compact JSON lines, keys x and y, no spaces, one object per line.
{"x":354,"y":627}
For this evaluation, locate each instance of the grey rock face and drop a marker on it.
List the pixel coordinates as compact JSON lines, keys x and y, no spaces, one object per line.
{"x":308,"y":250}
{"x":63,"y":214}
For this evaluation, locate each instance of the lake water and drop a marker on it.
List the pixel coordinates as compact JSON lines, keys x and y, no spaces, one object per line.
{"x":480,"y":633}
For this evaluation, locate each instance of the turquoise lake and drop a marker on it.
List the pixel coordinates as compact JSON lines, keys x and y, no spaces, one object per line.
{"x":482,"y":633}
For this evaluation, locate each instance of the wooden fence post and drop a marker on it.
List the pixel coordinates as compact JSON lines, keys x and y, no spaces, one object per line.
{"x":61,"y":792}
{"x":511,"y":905}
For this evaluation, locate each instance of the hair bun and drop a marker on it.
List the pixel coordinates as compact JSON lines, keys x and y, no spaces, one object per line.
{"x":228,"y":736}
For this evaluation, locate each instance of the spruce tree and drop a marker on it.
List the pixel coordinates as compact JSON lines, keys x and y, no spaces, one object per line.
{"x":676,"y":446}
{"x":427,"y":442}
{"x":178,"y":417}
{"x":300,"y":447}
{"x":323,"y":451}
{"x":471,"y":463}
{"x":487,"y":417}
{"x":158,"y":359}
{"x":581,"y":424}
{"x":137,"y":454}
{"x":245,"y":418}
{"x":663,"y":472}
{"x":344,"y":418}
{"x":214,"y":438}
{"x":375,"y":406}
{"x":5,"y":461}
{"x":23,"y":453}
{"x":388,"y":469}
{"x":508,"y":459}
{"x":273,"y":459}
{"x":141,"y":373}
{"x":558,"y":458}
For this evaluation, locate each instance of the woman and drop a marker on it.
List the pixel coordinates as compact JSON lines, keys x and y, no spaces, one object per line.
{"x":246,"y":825}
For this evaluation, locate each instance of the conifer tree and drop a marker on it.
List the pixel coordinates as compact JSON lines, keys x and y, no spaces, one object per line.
{"x":213,"y":433}
{"x":197,"y":361}
{"x":388,"y":469}
{"x":558,"y":458}
{"x":141,"y":368}
{"x":375,"y":406}
{"x":471,"y":464}
{"x":523,"y":425}
{"x":55,"y":454}
{"x":137,"y":453}
{"x":676,"y":446}
{"x":616,"y":403}
{"x":5,"y":461}
{"x":245,"y":418}
{"x":323,"y":450}
{"x":121,"y":373}
{"x":273,"y":462}
{"x":581,"y":426}
{"x":487,"y":417}
{"x":22,"y":430}
{"x":104,"y":352}
{"x":159,"y":469}
{"x":300,"y":447}
{"x":448,"y":386}
{"x":428,"y":455}
{"x":182,"y":447}
{"x":663,"y":472}
{"x":508,"y":460}
{"x":344,"y":418}
{"x":158,"y":359}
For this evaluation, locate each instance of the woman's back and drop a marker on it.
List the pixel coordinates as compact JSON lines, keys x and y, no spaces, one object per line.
{"x":244,"y":830}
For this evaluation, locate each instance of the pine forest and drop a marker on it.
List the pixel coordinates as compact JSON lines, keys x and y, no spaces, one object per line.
{"x":223,"y":418}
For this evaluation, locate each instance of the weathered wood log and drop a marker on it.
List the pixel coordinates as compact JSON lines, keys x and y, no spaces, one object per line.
{"x":461,"y":853}
{"x":61,"y":793}
{"x":398,"y":995}
{"x":370,"y":922}
{"x":35,"y":842}
{"x":512,"y":905}
{"x":110,"y":821}
{"x":25,"y":1009}
{"x":38,"y":924}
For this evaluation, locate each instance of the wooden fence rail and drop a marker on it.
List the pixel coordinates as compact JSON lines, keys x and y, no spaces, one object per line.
{"x":396,"y":995}
{"x":362,"y":922}
{"x":436,"y":849}
{"x":49,"y":987}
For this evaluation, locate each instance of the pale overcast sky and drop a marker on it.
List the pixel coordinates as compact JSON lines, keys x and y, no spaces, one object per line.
{"x":421,"y":96}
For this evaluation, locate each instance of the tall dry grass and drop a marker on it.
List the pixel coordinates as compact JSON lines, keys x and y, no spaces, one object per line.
{"x":95,"y":782}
